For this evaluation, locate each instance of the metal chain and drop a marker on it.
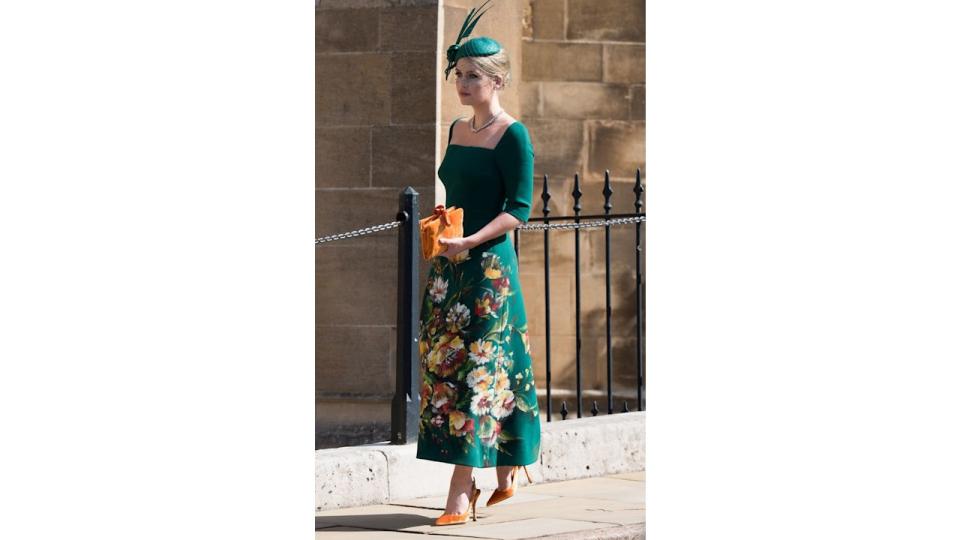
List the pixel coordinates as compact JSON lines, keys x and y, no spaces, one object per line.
{"x":525,"y":226}
{"x":359,"y":232}
{"x":582,"y":224}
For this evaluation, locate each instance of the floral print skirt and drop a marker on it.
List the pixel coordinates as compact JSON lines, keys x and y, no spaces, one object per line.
{"x":478,"y":400}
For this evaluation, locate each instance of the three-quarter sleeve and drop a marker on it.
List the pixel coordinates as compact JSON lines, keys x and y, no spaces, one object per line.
{"x":514,"y":156}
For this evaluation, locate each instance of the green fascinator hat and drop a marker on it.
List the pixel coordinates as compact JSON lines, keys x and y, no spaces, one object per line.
{"x":478,"y":46}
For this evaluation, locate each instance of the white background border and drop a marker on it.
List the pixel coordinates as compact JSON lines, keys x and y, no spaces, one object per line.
{"x":156,"y":301}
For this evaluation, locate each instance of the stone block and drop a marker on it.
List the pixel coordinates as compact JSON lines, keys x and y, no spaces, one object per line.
{"x":453,"y":17}
{"x":622,"y":281}
{"x":584,"y":100}
{"x":342,"y":210}
{"x":622,"y":197}
{"x":594,"y":311}
{"x":414,"y":89}
{"x":409,"y":3}
{"x":343,"y":157}
{"x":361,"y":418}
{"x":526,"y":24}
{"x":561,"y":298}
{"x":579,"y":447}
{"x":355,"y":289}
{"x":593,"y":356}
{"x":548,"y":19}
{"x":562,"y":364}
{"x":624,"y":63}
{"x":607,"y":20}
{"x":594,"y":366}
{"x":409,"y":29}
{"x":347,"y":30}
{"x":563,"y":355}
{"x":355,"y":358}
{"x":450,"y":106}
{"x":557,"y":147}
{"x":352,"y":89}
{"x":617,"y":146}
{"x":570,"y":449}
{"x":625,"y":370}
{"x":347,"y":4}
{"x":638,"y":102}
{"x":529,"y":94}
{"x":352,"y":434}
{"x":410,"y":477}
{"x":465,"y":5}
{"x":404,"y":157}
{"x":562,"y":250}
{"x":350,"y":478}
{"x":622,"y":253}
{"x":561,"y":197}
{"x":561,"y":200}
{"x":547,"y":61}
{"x":591,"y":352}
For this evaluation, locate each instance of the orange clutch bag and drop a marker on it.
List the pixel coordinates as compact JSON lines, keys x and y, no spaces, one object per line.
{"x":443,"y":223}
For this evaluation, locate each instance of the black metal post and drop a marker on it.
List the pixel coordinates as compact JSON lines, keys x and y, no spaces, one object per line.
{"x":641,"y":379}
{"x":545,"y":196}
{"x":405,"y":409}
{"x":607,"y":206}
{"x":576,"y":249}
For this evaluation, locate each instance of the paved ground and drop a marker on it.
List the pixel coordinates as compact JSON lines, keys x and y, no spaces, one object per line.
{"x":606,"y":507}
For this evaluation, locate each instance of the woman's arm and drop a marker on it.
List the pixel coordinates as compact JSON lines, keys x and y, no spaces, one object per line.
{"x":501,"y":224}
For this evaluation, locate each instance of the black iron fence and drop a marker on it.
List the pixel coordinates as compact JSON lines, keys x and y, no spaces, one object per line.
{"x":405,"y":406}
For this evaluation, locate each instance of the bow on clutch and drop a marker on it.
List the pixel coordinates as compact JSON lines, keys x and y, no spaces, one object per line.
{"x":443,"y":223}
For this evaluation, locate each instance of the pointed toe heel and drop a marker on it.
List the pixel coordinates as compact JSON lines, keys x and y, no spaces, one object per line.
{"x":455,"y":519}
{"x":504,"y":494}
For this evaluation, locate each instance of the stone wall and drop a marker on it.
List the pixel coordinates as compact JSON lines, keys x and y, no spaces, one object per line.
{"x":376,"y":132}
{"x":582,"y":97}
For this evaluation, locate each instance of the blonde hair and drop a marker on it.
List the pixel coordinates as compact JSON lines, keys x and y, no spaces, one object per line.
{"x":494,"y":65}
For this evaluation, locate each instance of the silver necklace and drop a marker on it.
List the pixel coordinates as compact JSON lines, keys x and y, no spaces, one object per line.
{"x":487,"y":123}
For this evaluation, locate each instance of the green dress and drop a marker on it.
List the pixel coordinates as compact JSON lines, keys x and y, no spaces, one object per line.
{"x":478,"y":400}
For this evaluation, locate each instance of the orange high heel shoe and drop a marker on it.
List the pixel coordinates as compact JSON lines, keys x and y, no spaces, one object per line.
{"x":501,"y":495}
{"x":453,"y":519}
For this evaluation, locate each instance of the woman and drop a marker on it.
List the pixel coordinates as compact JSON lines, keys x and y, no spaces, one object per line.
{"x":478,"y":401}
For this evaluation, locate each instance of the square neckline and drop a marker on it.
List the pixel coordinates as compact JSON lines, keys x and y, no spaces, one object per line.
{"x":502,"y":136}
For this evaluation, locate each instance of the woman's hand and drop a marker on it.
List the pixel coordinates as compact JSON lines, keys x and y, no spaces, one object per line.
{"x":455,"y":246}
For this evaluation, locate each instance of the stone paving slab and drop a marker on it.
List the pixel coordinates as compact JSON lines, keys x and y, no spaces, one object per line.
{"x":379,"y":516}
{"x":439,"y":503}
{"x":407,"y":519}
{"x":640,"y":476}
{"x":625,"y":532}
{"x":609,"y":508}
{"x":352,"y":533}
{"x":596,"y":510}
{"x":524,"y":528}
{"x":607,"y":488}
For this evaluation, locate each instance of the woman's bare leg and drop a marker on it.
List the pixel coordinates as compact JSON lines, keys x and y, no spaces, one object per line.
{"x":503,"y":477}
{"x":458,"y":499}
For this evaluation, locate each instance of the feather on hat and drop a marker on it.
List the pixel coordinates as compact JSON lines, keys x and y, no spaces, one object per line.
{"x":479,"y":46}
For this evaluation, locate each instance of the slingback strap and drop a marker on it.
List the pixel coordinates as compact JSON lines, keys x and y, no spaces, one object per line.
{"x":528,"y":474}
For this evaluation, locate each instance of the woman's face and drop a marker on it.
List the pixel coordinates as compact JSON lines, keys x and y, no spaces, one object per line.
{"x":473,"y":86}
